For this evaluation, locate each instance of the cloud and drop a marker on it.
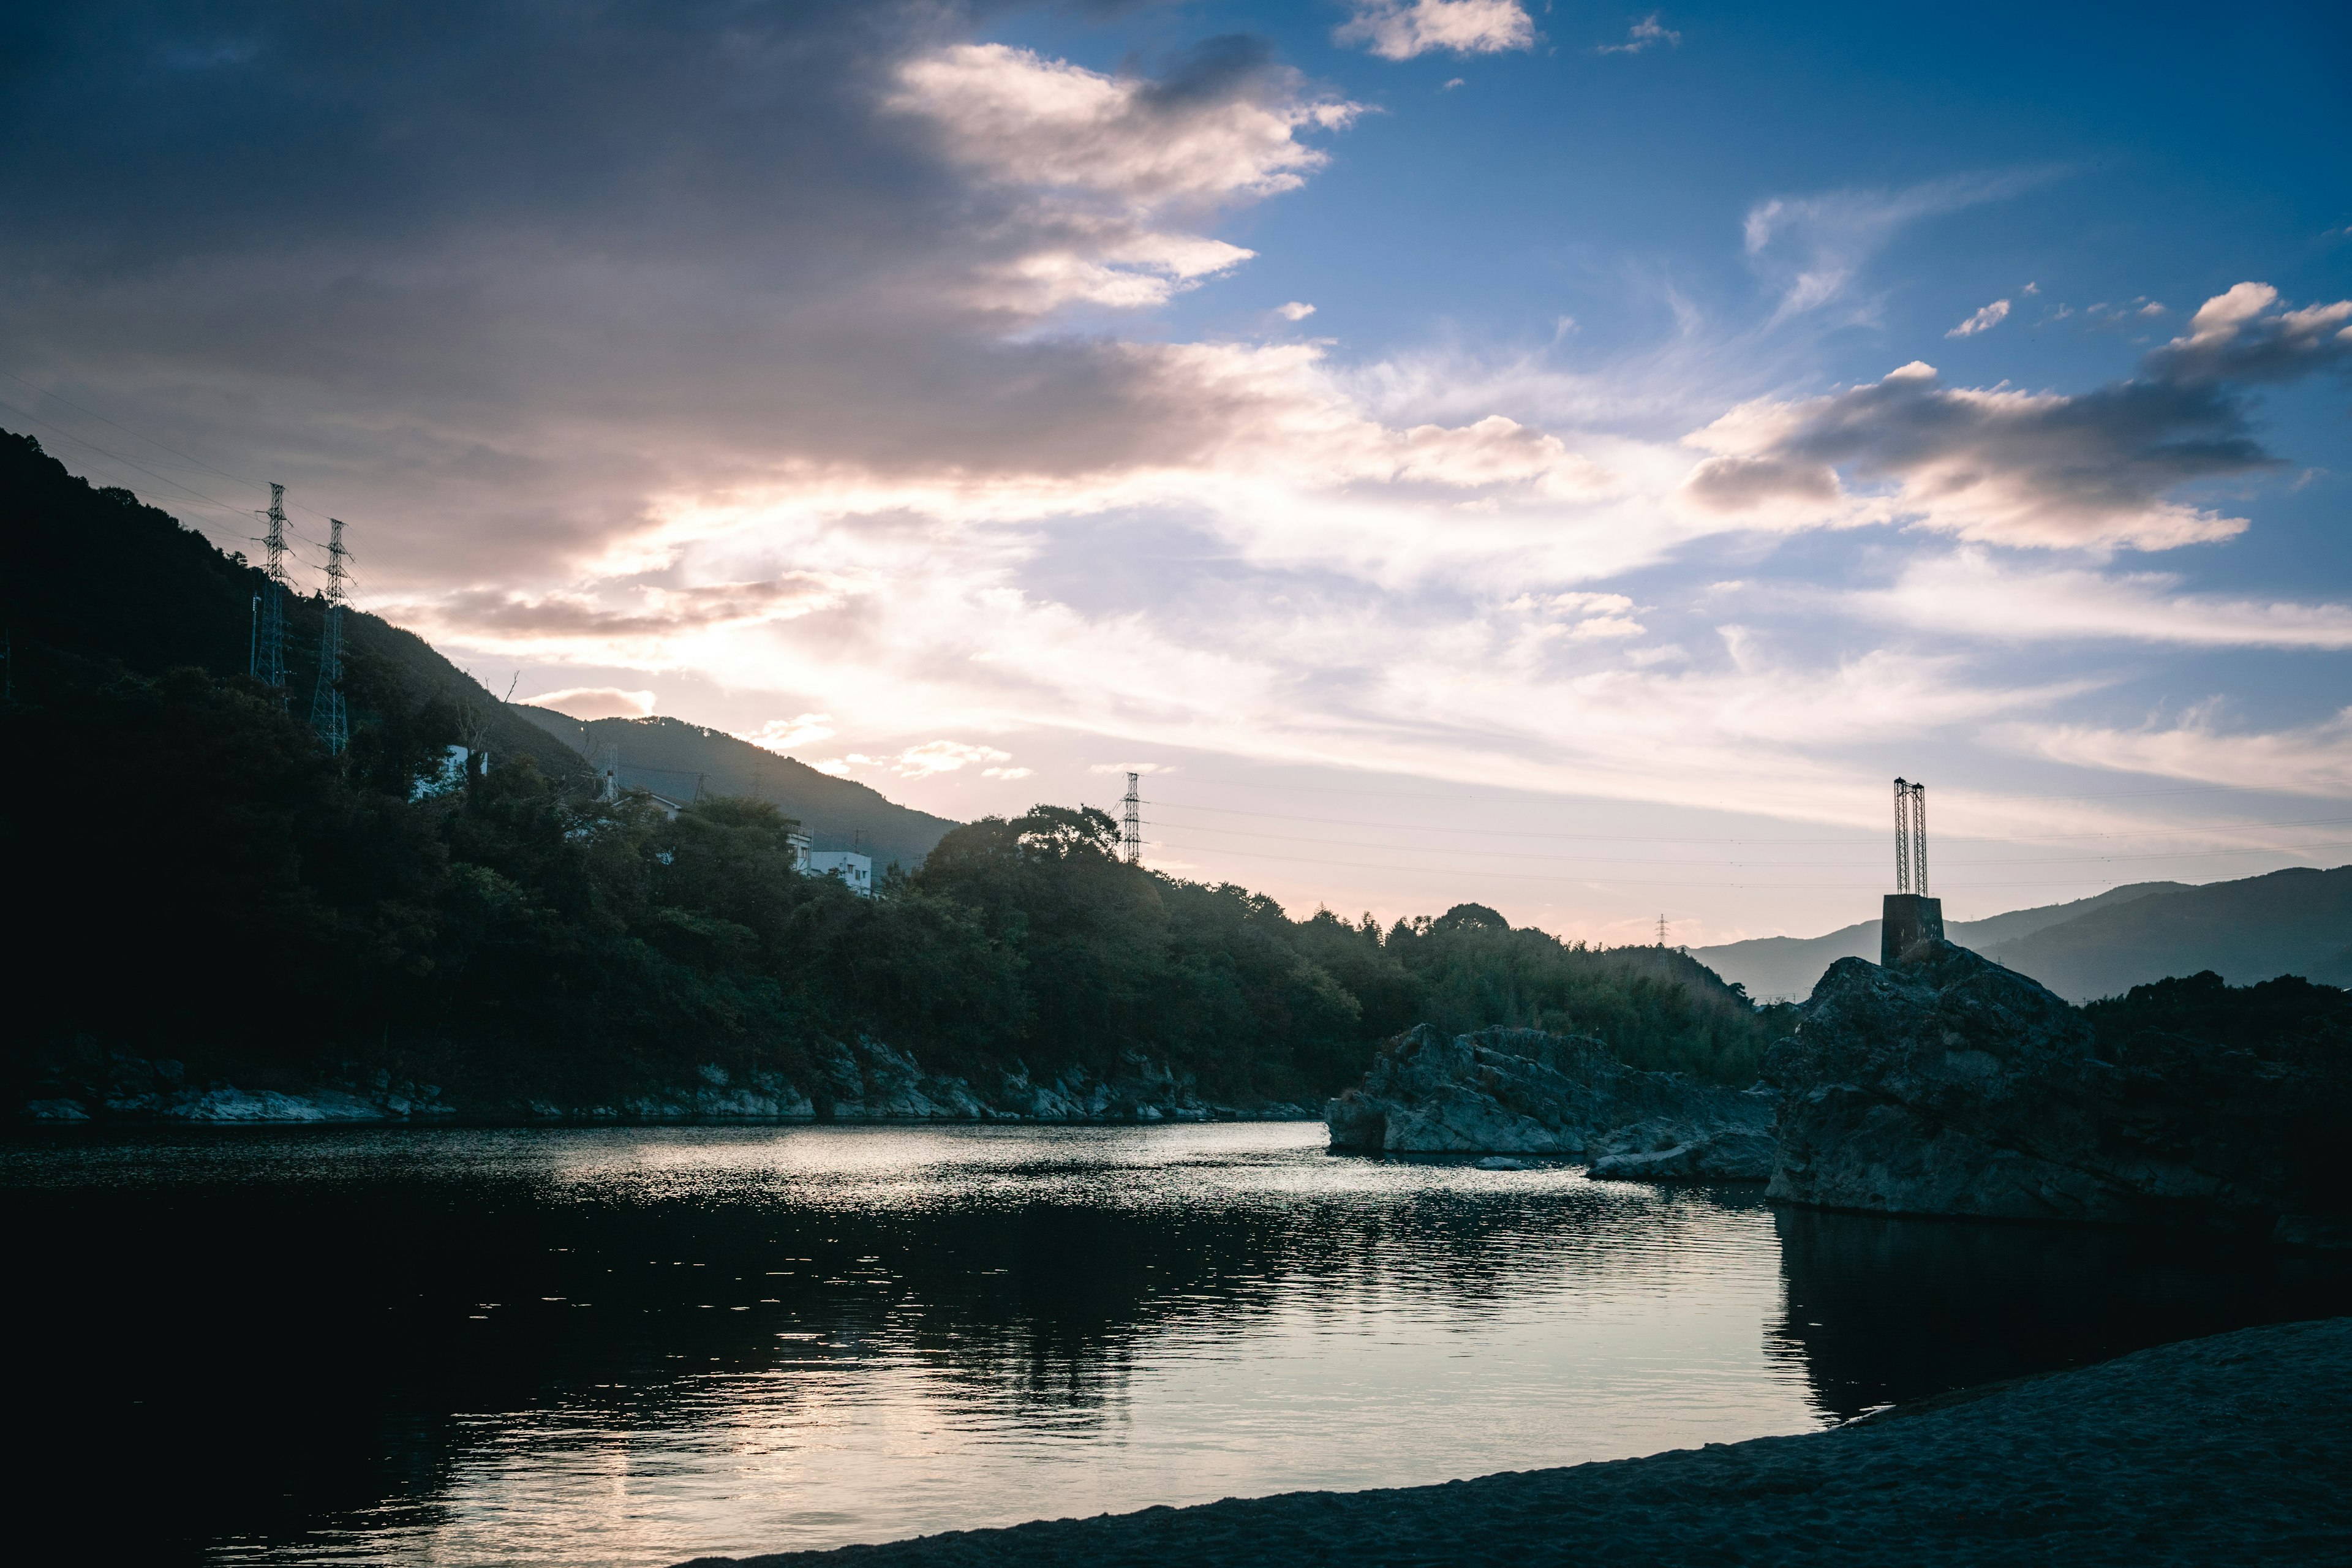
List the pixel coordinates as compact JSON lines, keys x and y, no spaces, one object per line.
{"x":1810,"y":248}
{"x":927,"y":759}
{"x":2311,"y":760}
{"x":606,"y":263}
{"x":2239,"y":337}
{"x":1645,"y":34}
{"x":1104,"y":164}
{"x":636,"y":621}
{"x":1971,"y":592}
{"x":1984,"y":320}
{"x":1295,"y":311}
{"x":1401,"y":29}
{"x":2094,"y":468}
{"x":782,"y":734}
{"x":1587,"y":615}
{"x":585,"y":702}
{"x":794,"y":348}
{"x":1007,"y":773}
{"x":2003,"y":467}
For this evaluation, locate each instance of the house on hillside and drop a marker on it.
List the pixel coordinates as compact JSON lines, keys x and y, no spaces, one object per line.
{"x":852,"y":868}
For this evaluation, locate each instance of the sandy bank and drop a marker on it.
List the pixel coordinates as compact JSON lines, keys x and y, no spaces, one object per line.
{"x":2231,"y":1449}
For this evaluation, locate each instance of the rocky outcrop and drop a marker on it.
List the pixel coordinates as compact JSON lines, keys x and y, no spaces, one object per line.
{"x":1949,"y":1085}
{"x":1524,"y":1091}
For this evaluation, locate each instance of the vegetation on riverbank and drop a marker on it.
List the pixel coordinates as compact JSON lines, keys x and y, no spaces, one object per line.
{"x":208,"y":885}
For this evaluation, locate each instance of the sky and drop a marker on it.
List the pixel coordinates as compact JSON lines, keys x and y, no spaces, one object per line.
{"x":1565,"y":457}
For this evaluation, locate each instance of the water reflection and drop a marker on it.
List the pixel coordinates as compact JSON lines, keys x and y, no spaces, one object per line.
{"x":629,"y":1346}
{"x":1882,"y":1311}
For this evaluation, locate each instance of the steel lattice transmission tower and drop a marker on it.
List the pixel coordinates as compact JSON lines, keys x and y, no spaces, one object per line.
{"x":1910,"y":837}
{"x":269,"y":657}
{"x":326,"y":715}
{"x":1131,"y":833}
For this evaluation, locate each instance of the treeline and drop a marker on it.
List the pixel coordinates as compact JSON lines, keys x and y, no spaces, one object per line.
{"x":199,"y":879}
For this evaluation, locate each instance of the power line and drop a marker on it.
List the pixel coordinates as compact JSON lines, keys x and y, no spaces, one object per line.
{"x":1541,"y":792}
{"x":84,"y":441}
{"x":1682,"y":838}
{"x":1642,"y":882}
{"x":141,"y":435}
{"x":1681,"y":860}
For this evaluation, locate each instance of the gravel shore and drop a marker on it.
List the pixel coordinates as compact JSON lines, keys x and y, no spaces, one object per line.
{"x":2232,"y":1449}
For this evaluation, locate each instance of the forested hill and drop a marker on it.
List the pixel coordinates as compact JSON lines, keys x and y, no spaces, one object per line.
{"x":219,"y":897}
{"x":672,"y":757}
{"x":96,"y":580}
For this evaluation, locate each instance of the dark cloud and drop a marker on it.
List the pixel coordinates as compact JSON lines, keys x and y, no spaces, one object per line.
{"x":508,"y":273}
{"x":2239,"y":337}
{"x":2100,"y":466}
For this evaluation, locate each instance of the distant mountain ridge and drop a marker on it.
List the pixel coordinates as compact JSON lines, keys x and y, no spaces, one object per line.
{"x":1784,"y":968}
{"x":2293,"y":922}
{"x":672,"y":758}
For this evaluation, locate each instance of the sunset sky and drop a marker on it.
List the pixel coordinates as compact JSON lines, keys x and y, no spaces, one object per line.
{"x":1569,"y":457}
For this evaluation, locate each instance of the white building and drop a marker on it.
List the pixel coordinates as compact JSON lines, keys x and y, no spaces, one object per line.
{"x":855,"y":869}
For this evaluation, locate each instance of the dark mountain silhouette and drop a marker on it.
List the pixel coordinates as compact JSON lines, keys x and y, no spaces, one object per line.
{"x":1783,"y":968}
{"x":673,"y":758}
{"x":2295,"y":921}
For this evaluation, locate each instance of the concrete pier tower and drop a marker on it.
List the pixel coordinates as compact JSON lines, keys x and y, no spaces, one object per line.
{"x":1910,"y":915}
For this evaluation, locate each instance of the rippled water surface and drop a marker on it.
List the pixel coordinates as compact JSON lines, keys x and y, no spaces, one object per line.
{"x":633,"y":1346}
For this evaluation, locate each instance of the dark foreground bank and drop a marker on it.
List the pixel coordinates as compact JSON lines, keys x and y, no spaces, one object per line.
{"x":2222,"y":1450}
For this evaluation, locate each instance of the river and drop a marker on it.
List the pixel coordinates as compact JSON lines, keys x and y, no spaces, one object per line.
{"x":632,"y":1346}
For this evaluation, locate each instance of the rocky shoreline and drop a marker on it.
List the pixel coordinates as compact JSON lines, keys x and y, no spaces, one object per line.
{"x":2228,"y":1450}
{"x":863,"y":1080}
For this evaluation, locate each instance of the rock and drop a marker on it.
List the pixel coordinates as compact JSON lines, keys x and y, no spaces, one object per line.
{"x":1684,"y":1152}
{"x":1524,"y":1091}
{"x":1949,"y":1085}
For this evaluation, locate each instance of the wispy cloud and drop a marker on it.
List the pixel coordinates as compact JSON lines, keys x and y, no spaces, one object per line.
{"x":928,"y":758}
{"x":782,"y":734}
{"x":1974,"y":592}
{"x":585,"y":702}
{"x":2311,"y":760}
{"x":1645,"y":33}
{"x":1811,"y":249}
{"x":1401,"y":29}
{"x":1984,"y":320}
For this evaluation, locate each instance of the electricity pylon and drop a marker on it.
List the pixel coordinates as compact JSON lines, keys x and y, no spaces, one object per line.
{"x":326,"y":715}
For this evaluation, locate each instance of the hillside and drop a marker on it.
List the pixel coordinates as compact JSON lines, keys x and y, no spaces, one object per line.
{"x":1784,"y":968}
{"x":163,"y":597}
{"x":2295,"y":921}
{"x":668,"y":756}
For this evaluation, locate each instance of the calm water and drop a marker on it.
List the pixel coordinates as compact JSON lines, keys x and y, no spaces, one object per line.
{"x":632,"y":1346}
